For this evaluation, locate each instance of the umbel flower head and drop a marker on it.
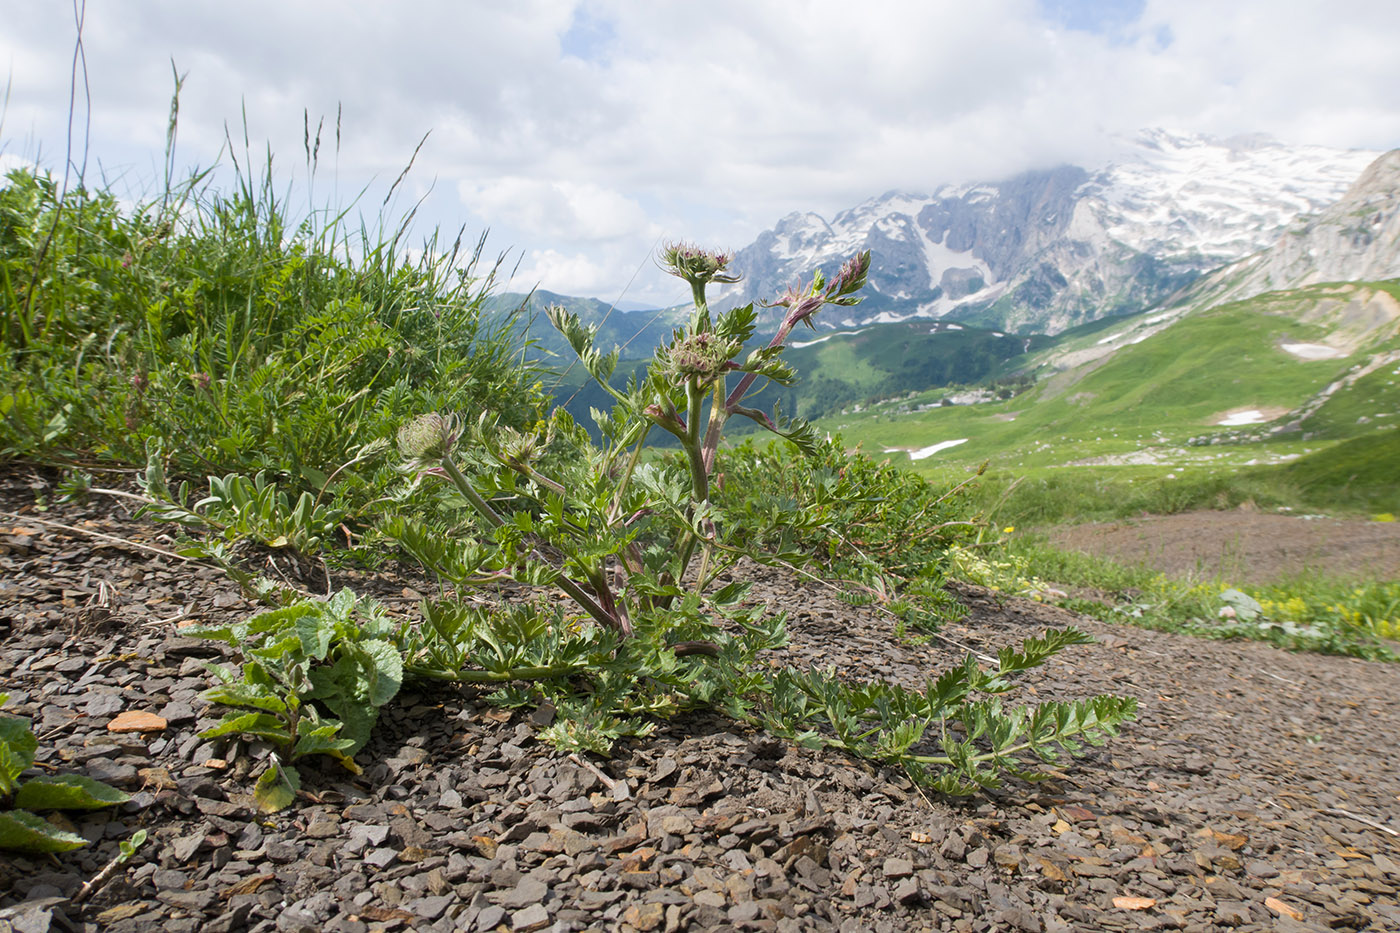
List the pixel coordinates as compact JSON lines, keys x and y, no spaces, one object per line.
{"x":429,"y":437}
{"x":697,"y":266}
{"x":703,"y":356}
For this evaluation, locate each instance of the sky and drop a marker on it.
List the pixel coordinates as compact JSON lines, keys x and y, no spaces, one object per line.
{"x":583,"y":134}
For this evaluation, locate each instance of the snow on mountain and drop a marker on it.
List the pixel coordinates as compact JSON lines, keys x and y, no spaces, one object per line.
{"x":1355,"y":239}
{"x":1049,"y":249}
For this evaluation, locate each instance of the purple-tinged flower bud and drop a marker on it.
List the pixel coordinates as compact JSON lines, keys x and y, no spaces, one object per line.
{"x":703,"y":357}
{"x":140,"y":381}
{"x":852,"y":276}
{"x":697,"y":266}
{"x":202,"y":380}
{"x":801,"y":303}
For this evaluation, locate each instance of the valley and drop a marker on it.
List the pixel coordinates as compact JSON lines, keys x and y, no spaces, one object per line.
{"x":1259,"y":385}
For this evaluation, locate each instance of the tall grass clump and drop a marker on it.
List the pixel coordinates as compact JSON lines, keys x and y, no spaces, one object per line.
{"x":238,"y":338}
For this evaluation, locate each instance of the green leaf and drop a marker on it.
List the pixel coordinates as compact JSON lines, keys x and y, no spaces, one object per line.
{"x":385,"y":670}
{"x":17,"y":746}
{"x":322,"y":740}
{"x":262,"y":725}
{"x":314,"y":634}
{"x":68,"y":792}
{"x":732,"y":592}
{"x":15,"y":732}
{"x":129,"y":846}
{"x":22,"y":831}
{"x":247,"y":695}
{"x":277,"y":787}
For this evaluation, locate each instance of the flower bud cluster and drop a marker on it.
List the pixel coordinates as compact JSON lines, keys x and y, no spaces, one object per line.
{"x":698,"y":266}
{"x":703,"y":357}
{"x":429,"y":437}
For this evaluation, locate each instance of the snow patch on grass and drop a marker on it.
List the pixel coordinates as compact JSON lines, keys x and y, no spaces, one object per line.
{"x":799,"y":344}
{"x":932,"y":449}
{"x":1312,"y":351}
{"x":1249,"y":416}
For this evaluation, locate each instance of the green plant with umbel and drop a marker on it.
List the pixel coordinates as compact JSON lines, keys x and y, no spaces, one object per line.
{"x":312,"y":680}
{"x":640,"y":544}
{"x":20,"y":828}
{"x":629,"y":531}
{"x":637,"y":545}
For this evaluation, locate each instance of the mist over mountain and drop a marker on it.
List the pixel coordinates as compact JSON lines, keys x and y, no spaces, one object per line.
{"x":1047,"y":250}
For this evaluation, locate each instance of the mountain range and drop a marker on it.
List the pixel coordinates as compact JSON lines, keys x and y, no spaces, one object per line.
{"x":1049,"y":249}
{"x":1050,"y":275}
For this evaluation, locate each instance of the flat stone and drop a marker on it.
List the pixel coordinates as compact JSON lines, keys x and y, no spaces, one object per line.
{"x":111,"y":772}
{"x":534,"y":917}
{"x":528,"y":891}
{"x":104,"y":704}
{"x":490,"y":917}
{"x":907,"y":891}
{"x":137,"y":721}
{"x":644,"y":917}
{"x":382,"y":857}
{"x":431,"y":907}
{"x":896,"y":867}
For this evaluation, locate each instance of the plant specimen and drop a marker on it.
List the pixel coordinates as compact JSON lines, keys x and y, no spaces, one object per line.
{"x":20,"y":827}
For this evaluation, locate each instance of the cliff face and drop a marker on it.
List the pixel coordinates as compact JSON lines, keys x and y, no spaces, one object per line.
{"x":1356,"y":239}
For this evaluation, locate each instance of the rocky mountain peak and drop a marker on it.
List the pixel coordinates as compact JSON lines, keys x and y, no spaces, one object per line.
{"x":1357,"y":238}
{"x":1057,"y":246}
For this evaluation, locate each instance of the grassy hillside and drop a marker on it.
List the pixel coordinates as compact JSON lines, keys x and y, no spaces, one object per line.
{"x":836,"y":369}
{"x":1145,"y":397}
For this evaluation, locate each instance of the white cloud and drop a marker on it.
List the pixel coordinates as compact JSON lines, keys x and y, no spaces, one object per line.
{"x":556,"y":209}
{"x":579,"y":131}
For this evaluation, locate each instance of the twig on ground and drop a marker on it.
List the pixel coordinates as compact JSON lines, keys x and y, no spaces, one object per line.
{"x":177,"y":617}
{"x":1283,"y":679}
{"x":1338,"y":811}
{"x":618,"y":789}
{"x":128,"y":849}
{"x":97,"y":534}
{"x":120,"y":493}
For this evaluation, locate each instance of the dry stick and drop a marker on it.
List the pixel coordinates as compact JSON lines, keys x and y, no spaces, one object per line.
{"x":1337,"y":811}
{"x":120,"y":493}
{"x":618,"y":789}
{"x":91,"y":887}
{"x":1282,"y":679}
{"x":97,"y":534}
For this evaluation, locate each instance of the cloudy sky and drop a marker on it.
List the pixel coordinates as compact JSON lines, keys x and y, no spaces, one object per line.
{"x":582,"y":133}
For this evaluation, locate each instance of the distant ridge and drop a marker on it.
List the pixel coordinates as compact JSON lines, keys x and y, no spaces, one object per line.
{"x":1050,"y":249}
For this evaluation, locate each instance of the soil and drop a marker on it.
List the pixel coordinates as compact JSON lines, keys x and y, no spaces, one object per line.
{"x":1257,"y":790}
{"x":1243,"y":546}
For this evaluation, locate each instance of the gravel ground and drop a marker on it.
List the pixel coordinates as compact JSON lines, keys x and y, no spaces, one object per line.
{"x":1258,"y":790}
{"x":1243,"y":546}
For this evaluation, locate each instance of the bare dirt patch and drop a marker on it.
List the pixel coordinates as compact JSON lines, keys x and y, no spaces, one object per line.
{"x":1244,"y":547}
